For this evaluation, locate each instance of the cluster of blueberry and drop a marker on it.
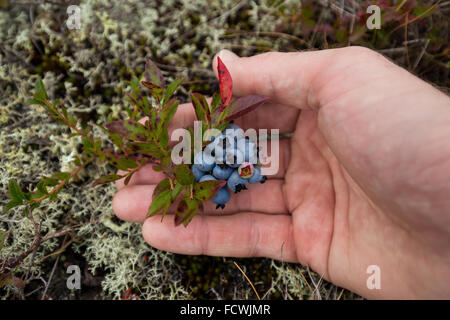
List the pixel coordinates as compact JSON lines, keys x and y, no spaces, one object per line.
{"x":232,"y":157}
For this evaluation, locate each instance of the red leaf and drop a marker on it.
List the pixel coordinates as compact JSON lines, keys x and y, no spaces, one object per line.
{"x":244,"y":105}
{"x":117,"y":127}
{"x":153,"y":74}
{"x":225,"y":83}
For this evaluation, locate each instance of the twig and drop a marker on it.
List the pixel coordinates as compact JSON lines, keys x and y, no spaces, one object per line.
{"x":406,"y":41}
{"x":251,"y":284}
{"x":340,"y":294}
{"x":63,"y":182}
{"x":419,"y":58}
{"x":49,"y":279}
{"x":416,"y":18}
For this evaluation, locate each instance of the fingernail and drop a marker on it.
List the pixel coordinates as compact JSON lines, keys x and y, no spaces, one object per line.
{"x":227,"y":56}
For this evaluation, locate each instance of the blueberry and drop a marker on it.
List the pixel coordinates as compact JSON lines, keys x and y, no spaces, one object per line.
{"x":234,"y":131}
{"x":206,"y":177}
{"x":257,"y":176}
{"x":205,"y":162}
{"x":222,"y":171}
{"x":233,"y":126}
{"x":249,"y":150}
{"x":221,"y":198}
{"x":236,"y":183}
{"x":234,"y":157}
{"x":197,"y":172}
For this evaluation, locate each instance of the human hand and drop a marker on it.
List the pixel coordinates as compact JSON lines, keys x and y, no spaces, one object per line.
{"x":363,"y":181}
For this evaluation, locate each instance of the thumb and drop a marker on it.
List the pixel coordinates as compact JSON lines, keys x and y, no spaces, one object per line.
{"x":285,"y":77}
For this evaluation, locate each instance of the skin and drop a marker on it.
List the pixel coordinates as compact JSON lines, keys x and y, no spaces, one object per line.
{"x":364,"y":180}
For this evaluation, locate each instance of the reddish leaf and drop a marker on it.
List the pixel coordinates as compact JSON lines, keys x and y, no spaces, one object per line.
{"x":153,"y":74}
{"x":186,"y":210}
{"x":136,"y":130}
{"x":157,"y":91}
{"x":244,"y":105}
{"x":117,"y":127}
{"x":162,"y":186}
{"x":7,"y":279}
{"x":206,"y":190}
{"x":106,"y":179}
{"x":225,"y":83}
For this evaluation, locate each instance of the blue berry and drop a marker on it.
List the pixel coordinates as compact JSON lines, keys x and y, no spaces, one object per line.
{"x":206,"y":177}
{"x":234,"y":131}
{"x":236,"y":183}
{"x":221,"y":198}
{"x":234,"y":157}
{"x":257,"y":177}
{"x":222,"y":171}
{"x":249,"y":150}
{"x":205,"y":162}
{"x":197,"y":172}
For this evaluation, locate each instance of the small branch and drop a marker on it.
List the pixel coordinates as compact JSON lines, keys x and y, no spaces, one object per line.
{"x":63,"y":182}
{"x":251,"y":284}
{"x":50,"y":279}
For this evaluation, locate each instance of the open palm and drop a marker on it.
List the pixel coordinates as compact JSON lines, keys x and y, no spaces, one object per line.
{"x":363,"y":180}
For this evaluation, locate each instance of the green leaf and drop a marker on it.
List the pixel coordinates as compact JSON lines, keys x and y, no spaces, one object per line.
{"x":50,"y":182}
{"x":162,"y":186}
{"x":177,"y":190}
{"x":11,"y":204}
{"x":36,"y":101}
{"x":149,"y":148}
{"x":15,"y":192}
{"x":134,"y":84}
{"x":136,"y":130}
{"x":128,"y":178}
{"x":127,"y":163}
{"x":171,"y":89}
{"x":61,"y":176}
{"x":106,"y":179}
{"x":87,"y":145}
{"x":183,"y":174}
{"x":206,"y":190}
{"x":186,"y":210}
{"x":168,"y":112}
{"x":161,"y":201}
{"x":215,"y":102}
{"x":42,"y":187}
{"x":157,"y":91}
{"x":164,"y":138}
{"x":40,"y":93}
{"x":201,"y":107}
{"x":166,"y":207}
{"x":114,"y":137}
